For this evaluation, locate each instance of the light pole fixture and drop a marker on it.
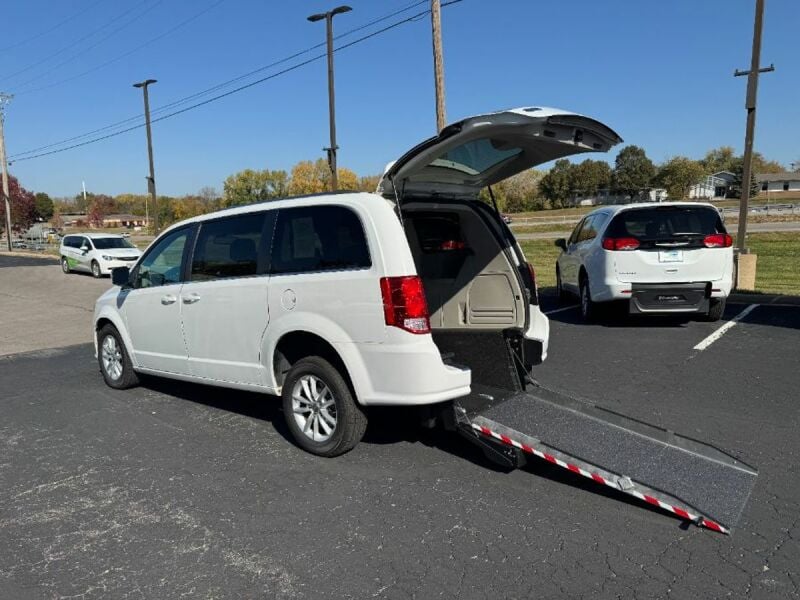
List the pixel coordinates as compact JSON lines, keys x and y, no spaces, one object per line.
{"x":151,"y":180}
{"x":328,"y":16}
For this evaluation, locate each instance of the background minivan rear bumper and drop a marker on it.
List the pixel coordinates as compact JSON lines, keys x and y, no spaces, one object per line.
{"x":670,"y":297}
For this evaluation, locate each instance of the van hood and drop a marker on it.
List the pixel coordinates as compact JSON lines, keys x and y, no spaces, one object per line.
{"x":482,"y":150}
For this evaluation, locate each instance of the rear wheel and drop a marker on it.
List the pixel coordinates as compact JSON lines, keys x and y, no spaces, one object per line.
{"x":715,"y":309}
{"x":560,"y":291}
{"x":64,"y":264}
{"x":320,"y":410}
{"x":96,"y":269}
{"x":588,"y":307}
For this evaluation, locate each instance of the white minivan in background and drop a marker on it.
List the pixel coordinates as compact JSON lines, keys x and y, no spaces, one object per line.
{"x":337,"y":302}
{"x":96,"y":253}
{"x":669,"y":257}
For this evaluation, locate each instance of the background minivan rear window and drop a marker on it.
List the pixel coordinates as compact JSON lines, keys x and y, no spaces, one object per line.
{"x":666,"y":223}
{"x":319,"y":238}
{"x":228,"y":247}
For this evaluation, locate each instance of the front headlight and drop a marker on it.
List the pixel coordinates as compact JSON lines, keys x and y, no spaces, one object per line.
{"x":107,"y":257}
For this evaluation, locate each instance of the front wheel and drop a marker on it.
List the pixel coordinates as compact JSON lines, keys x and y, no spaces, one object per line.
{"x":320,"y":410}
{"x":64,"y":264}
{"x":115,"y":363}
{"x":96,"y":273}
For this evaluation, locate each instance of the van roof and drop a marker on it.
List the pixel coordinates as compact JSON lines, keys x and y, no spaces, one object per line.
{"x":615,"y":208}
{"x":361,"y":199}
{"x":95,"y":236}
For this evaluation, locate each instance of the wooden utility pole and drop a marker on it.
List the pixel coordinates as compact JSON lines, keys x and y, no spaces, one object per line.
{"x":750,"y":105}
{"x":438,"y":63}
{"x":5,"y":99}
{"x":151,"y":180}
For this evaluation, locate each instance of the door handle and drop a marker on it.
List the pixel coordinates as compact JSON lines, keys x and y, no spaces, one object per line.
{"x":168,"y":299}
{"x":190,"y":298}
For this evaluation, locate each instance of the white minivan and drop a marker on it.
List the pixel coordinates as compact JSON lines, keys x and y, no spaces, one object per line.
{"x":96,"y":253}
{"x":341,"y":301}
{"x":668,"y":257}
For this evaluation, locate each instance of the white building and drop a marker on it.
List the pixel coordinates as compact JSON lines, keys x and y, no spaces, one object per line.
{"x":779,"y":182}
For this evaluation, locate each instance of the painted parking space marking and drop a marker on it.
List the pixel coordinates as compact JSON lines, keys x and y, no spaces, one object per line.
{"x":558,"y":310}
{"x":727,"y":326}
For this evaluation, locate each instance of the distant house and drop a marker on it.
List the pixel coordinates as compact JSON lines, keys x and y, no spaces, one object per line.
{"x":124,"y":220}
{"x":714,"y":186}
{"x":779,"y":182}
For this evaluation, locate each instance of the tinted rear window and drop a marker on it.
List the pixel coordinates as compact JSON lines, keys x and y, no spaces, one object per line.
{"x":319,"y":238}
{"x":230,"y":247}
{"x":666,"y":223}
{"x":476,"y":156}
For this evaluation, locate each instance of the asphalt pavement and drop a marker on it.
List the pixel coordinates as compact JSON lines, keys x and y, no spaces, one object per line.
{"x":175,"y":490}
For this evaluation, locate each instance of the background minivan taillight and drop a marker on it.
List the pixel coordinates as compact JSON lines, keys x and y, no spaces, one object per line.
{"x":404,"y":304}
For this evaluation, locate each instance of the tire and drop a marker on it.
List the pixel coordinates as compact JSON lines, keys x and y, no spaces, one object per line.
{"x":65,"y":265}
{"x":588,"y":307}
{"x":96,"y":273}
{"x":715,"y":310}
{"x":112,"y":354}
{"x":308,"y":418}
{"x":560,"y":291}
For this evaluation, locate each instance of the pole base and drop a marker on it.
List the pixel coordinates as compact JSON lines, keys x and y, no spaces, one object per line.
{"x":746,"y":271}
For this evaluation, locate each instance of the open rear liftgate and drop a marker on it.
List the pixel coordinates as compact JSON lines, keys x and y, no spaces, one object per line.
{"x":690,"y":479}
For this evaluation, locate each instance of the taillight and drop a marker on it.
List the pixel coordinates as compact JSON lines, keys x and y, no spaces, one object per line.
{"x":404,"y":304}
{"x":620,"y":243}
{"x":535,"y":289}
{"x":718,"y":240}
{"x":452,"y":245}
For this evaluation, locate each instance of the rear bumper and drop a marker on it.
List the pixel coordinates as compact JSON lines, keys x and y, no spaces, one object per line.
{"x":606,"y":291}
{"x":404,"y":374}
{"x":670,"y":297}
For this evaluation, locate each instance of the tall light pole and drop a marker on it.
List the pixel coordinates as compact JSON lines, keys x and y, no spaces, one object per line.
{"x":5,"y":99}
{"x":438,"y":63}
{"x":151,"y":181}
{"x":750,"y":105}
{"x":328,"y":16}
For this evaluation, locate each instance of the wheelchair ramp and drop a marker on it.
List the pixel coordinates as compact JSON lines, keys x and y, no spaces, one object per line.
{"x":690,"y":479}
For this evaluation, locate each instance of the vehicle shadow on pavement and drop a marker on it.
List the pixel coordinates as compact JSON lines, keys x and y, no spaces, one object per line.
{"x":617,"y":316}
{"x":387,"y":426}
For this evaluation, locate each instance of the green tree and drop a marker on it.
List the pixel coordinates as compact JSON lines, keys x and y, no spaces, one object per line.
{"x":43,"y":206}
{"x":719,"y":159}
{"x":633,"y":171}
{"x":100,"y":207}
{"x":678,"y":175}
{"x":736,"y":187}
{"x":521,"y":191}
{"x":248,"y":186}
{"x":590,"y":176}
{"x":555,"y":185}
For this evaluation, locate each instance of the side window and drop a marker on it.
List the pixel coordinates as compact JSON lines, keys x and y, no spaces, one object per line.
{"x":232,"y":247}
{"x":589,"y":230}
{"x":67,"y":242}
{"x":162,"y":265}
{"x":573,"y":239}
{"x":598,"y":223}
{"x":319,"y":238}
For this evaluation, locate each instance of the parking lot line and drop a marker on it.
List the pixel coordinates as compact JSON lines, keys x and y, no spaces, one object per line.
{"x":558,"y":310}
{"x":721,"y":331}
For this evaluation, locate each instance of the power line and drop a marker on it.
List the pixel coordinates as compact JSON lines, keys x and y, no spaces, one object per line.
{"x":84,"y":38}
{"x":51,"y":29}
{"x":225,"y":84}
{"x":238,"y":89}
{"x":124,"y":55}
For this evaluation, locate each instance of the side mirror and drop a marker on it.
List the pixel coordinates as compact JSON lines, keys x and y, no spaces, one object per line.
{"x":561,"y":243}
{"x":121,"y":276}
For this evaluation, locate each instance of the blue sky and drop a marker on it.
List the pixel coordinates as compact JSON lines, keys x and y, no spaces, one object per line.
{"x":660,"y":73}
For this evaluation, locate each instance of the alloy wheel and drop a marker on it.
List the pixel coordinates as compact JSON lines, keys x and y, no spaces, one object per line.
{"x":112,"y":357}
{"x":314,"y":408}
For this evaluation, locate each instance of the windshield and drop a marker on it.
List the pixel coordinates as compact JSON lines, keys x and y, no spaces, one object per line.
{"x":666,"y":222}
{"x":111,"y":243}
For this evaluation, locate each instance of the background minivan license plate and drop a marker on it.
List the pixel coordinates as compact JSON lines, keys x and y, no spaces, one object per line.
{"x":666,"y":256}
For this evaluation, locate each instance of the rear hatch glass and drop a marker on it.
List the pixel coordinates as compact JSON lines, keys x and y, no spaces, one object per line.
{"x":671,"y":247}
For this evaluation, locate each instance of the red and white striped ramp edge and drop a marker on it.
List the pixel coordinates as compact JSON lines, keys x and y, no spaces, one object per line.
{"x":602,"y":479}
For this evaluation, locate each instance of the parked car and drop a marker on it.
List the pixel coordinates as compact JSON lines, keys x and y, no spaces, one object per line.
{"x":342,"y":301}
{"x":671,"y":257}
{"x":96,"y":253}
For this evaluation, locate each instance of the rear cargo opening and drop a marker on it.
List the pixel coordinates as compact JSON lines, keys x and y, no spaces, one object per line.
{"x":475,"y":293}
